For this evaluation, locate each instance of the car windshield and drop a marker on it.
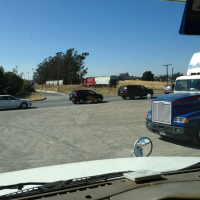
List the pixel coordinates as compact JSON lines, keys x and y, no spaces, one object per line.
{"x":125,"y":52}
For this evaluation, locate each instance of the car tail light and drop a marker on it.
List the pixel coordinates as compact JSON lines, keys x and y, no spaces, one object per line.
{"x":126,"y":91}
{"x":76,"y":93}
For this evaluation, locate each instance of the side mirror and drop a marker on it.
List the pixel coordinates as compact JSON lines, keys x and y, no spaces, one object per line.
{"x":148,"y":96}
{"x":142,"y":147}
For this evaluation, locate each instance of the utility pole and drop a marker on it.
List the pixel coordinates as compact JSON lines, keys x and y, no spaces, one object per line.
{"x":58,"y":54}
{"x":167,"y":71}
{"x":28,"y":76}
{"x":33,"y":74}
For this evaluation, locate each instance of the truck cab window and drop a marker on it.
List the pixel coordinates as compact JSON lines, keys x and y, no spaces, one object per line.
{"x":194,"y":84}
{"x":182,"y":85}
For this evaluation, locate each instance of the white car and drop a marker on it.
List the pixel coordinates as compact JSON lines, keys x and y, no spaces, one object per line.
{"x":8,"y":101}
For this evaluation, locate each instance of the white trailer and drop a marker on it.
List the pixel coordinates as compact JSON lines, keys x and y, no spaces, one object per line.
{"x":106,"y":81}
{"x":54,"y":82}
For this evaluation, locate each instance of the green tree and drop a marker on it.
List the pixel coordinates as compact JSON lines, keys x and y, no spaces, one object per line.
{"x":14,"y":83}
{"x":163,"y":78}
{"x":176,"y":75}
{"x":64,"y":66}
{"x":147,"y":76}
{"x":26,"y":88}
{"x":122,"y":76}
{"x":3,"y":81}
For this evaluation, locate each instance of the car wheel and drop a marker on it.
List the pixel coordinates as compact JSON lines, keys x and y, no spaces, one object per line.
{"x":132,"y":97}
{"x":196,"y":139}
{"x":81,"y":101}
{"x":74,"y":102}
{"x":123,"y":97}
{"x":99,"y":99}
{"x":23,"y":105}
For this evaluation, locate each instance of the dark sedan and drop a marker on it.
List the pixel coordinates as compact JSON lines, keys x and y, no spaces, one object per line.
{"x":82,"y":96}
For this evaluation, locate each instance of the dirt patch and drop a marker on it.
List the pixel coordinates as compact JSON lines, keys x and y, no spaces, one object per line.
{"x":35,"y":96}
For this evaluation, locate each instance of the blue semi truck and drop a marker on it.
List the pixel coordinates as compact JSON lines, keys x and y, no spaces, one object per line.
{"x":176,"y":116}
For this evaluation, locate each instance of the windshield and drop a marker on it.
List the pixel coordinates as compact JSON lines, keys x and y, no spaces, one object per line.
{"x":188,"y":85}
{"x":89,"y":69}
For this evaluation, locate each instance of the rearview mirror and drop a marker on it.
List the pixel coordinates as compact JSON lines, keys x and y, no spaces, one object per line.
{"x":142,"y":147}
{"x":190,"y":24}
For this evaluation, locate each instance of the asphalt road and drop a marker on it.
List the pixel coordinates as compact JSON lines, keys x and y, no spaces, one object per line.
{"x":59,"y":100}
{"x":55,"y":131}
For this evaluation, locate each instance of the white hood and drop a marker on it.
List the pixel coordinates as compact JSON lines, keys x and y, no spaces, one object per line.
{"x":91,"y":168}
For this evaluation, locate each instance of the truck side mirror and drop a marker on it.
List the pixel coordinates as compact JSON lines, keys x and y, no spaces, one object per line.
{"x":142,"y":147}
{"x":148,"y":96}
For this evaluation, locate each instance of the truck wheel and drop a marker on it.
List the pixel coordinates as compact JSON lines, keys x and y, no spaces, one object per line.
{"x":196,"y":139}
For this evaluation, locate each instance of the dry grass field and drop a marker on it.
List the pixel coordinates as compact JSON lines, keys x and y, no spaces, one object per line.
{"x":67,"y":89}
{"x":35,"y":96}
{"x":155,"y":85}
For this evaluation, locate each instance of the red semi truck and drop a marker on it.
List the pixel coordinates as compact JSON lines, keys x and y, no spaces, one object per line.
{"x":101,"y":81}
{"x":89,"y":81}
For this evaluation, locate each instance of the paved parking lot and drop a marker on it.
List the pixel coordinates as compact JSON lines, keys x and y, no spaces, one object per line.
{"x":43,"y":136}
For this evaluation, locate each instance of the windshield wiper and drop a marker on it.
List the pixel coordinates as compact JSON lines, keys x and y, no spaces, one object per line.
{"x":19,"y":186}
{"x":69,"y":184}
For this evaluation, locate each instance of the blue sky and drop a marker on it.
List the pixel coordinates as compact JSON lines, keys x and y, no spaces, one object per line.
{"x":120,"y":35}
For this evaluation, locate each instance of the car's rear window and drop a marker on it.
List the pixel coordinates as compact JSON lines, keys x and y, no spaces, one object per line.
{"x":122,"y":88}
{"x":82,"y":92}
{"x":73,"y":92}
{"x":133,"y":87}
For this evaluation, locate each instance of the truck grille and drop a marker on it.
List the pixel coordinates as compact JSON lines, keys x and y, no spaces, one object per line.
{"x":161,"y":112}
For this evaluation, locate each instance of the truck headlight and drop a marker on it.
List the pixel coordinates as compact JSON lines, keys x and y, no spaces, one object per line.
{"x":148,"y":115}
{"x":181,"y":120}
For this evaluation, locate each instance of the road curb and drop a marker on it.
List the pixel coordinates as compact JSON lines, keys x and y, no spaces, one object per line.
{"x":50,"y":92}
{"x":40,"y":99}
